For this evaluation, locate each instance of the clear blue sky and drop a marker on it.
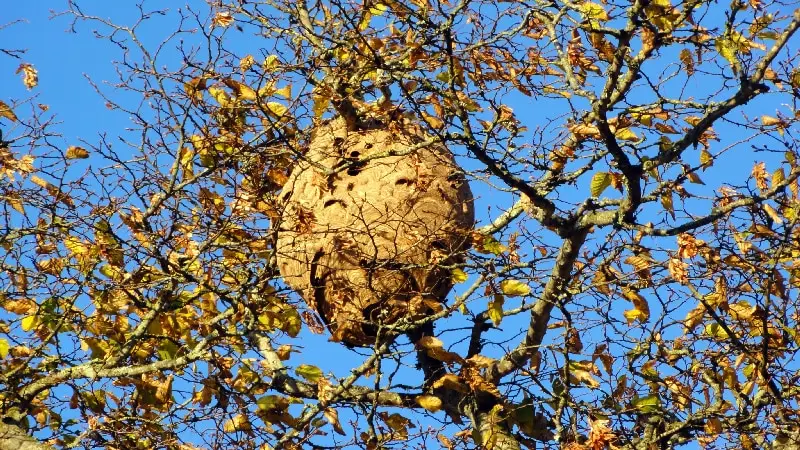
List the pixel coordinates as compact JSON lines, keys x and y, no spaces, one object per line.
{"x":64,"y":60}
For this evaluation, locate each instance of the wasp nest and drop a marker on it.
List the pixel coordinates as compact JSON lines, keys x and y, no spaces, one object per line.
{"x":369,"y":241}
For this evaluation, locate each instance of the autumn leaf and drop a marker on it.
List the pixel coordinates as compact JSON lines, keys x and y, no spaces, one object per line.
{"x":514,"y":288}
{"x":29,"y":323}
{"x":194,"y":88}
{"x":649,"y":404}
{"x":626,"y":134}
{"x":434,"y":347}
{"x":30,"y":76}
{"x":581,"y":372}
{"x":640,"y":311}
{"x":458,"y":275}
{"x":600,"y":181}
{"x":433,"y":121}
{"x":4,"y":348}
{"x":75,"y":152}
{"x":246,"y":63}
{"x":715,"y":331}
{"x":706,"y":160}
{"x":666,"y":202}
{"x":222,"y":19}
{"x":5,"y":111}
{"x":429,"y":402}
{"x":285,"y":92}
{"x":495,"y":309}
{"x":687,"y":60}
{"x":309,"y":372}
{"x":772,"y":213}
{"x":593,"y":11}
{"x":450,"y":381}
{"x":727,"y":49}
{"x":662,"y":14}
{"x":585,"y":130}
{"x":332,"y":416}
{"x":778,"y":177}
{"x":760,"y":176}
{"x":239,"y":422}
{"x":276,"y":109}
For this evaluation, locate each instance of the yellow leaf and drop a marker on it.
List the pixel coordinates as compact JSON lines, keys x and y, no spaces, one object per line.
{"x":772,"y":213}
{"x":3,"y":348}
{"x":600,"y":181}
{"x":716,"y":331}
{"x":76,"y":246}
{"x":246,"y":92}
{"x":74,"y":152}
{"x":39,"y":182}
{"x":30,"y":322}
{"x":593,"y":11}
{"x":705,"y":159}
{"x":459,"y":276}
{"x":309,"y":372}
{"x":246,"y":63}
{"x":276,"y":108}
{"x":332,"y":416}
{"x":662,"y":14}
{"x":435,"y":349}
{"x":694,"y":178}
{"x":640,"y":311}
{"x":633,"y":315}
{"x":30,"y":76}
{"x":271,"y":63}
{"x":5,"y":111}
{"x":15,"y":202}
{"x":626,"y":135}
{"x":495,"y":309}
{"x":194,"y":88}
{"x":649,"y":404}
{"x":285,"y":92}
{"x":769,"y":120}
{"x":451,"y":381}
{"x":514,"y":288}
{"x":237,"y":423}
{"x":727,"y":49}
{"x":429,"y":402}
{"x":666,"y":202}
{"x":222,"y":19}
{"x":365,"y":19}
{"x":377,"y":9}
{"x":220,"y":96}
{"x":434,"y":121}
{"x":581,"y":372}
{"x":320,"y":105}
{"x":778,"y":177}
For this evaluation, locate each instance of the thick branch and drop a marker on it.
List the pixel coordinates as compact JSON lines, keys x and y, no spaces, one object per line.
{"x":14,"y":438}
{"x":555,"y":292}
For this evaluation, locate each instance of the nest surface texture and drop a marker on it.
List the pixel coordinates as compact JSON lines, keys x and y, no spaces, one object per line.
{"x":371,"y":243}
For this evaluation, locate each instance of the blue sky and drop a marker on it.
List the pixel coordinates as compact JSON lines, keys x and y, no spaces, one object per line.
{"x":65,"y":60}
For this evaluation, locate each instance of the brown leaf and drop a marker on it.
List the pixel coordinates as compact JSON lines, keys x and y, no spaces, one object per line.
{"x":75,"y":152}
{"x":30,"y":76}
{"x":5,"y":111}
{"x":222,"y":19}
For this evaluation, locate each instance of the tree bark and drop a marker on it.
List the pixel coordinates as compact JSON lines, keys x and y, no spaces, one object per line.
{"x":14,"y":438}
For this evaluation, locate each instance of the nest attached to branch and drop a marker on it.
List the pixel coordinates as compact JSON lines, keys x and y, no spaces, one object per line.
{"x":371,"y":242}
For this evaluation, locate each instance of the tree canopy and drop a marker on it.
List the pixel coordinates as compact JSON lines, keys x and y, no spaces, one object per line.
{"x":630,"y":280}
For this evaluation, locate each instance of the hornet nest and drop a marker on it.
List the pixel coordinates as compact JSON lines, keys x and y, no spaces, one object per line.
{"x":372,"y":217}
